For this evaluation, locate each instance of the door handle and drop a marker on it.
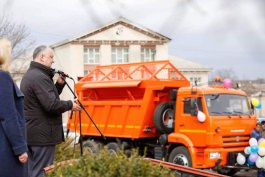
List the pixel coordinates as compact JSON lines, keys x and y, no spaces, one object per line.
{"x":181,"y":125}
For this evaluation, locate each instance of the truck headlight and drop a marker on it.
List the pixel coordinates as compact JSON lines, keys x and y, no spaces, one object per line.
{"x":215,"y":155}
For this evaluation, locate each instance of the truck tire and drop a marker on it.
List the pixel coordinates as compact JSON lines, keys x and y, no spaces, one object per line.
{"x":181,"y":156}
{"x":164,"y":117}
{"x":113,"y":148}
{"x":91,"y":147}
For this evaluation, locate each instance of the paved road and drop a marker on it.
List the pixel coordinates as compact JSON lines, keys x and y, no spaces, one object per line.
{"x":242,"y":173}
{"x":250,"y":173}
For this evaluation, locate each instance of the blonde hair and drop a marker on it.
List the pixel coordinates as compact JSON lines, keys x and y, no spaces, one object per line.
{"x":5,"y":53}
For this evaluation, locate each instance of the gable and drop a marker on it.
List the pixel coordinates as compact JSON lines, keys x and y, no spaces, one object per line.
{"x":119,"y":30}
{"x":122,"y":33}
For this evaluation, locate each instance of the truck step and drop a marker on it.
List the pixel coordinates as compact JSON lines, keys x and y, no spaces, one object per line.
{"x":158,"y":153}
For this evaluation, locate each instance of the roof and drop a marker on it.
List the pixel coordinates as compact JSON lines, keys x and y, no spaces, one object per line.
{"x":186,"y":65}
{"x":213,"y":90}
{"x":120,"y":20}
{"x":259,"y":94}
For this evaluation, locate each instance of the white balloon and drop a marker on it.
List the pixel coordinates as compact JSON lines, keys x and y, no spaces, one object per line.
{"x":201,"y":116}
{"x":261,"y":151}
{"x":259,"y":162}
{"x":253,"y":142}
{"x":247,"y":150}
{"x":240,"y":159}
{"x":263,"y":162}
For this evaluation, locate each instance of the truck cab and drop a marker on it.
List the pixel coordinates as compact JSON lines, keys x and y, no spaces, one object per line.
{"x":216,"y":138}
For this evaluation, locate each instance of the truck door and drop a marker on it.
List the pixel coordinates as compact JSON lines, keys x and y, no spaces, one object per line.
{"x":188,"y":122}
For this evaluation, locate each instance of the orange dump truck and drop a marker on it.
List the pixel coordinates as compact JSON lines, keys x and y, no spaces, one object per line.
{"x":152,"y":106}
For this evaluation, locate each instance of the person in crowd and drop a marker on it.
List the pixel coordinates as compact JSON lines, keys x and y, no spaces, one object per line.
{"x":257,"y":133}
{"x":43,"y":110}
{"x":263,"y":129}
{"x":13,"y":145}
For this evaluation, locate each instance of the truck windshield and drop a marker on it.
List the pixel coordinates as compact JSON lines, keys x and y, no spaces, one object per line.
{"x":227,"y":104}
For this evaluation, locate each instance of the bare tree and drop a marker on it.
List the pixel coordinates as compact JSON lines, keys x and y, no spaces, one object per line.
{"x":18,"y":34}
{"x":223,"y":74}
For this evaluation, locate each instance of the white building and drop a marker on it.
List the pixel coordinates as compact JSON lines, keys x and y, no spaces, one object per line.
{"x":192,"y":71}
{"x":119,"y":42}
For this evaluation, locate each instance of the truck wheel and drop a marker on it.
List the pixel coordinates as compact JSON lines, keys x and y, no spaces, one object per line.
{"x":164,"y":117}
{"x":91,"y":147}
{"x":113,"y":148}
{"x":181,"y":156}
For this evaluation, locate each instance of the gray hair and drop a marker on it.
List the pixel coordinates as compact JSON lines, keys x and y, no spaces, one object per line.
{"x":38,"y":50}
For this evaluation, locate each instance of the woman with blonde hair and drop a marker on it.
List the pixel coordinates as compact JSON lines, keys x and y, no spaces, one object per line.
{"x":13,"y":146}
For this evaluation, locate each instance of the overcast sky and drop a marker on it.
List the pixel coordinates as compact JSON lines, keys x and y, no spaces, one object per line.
{"x":222,"y":34}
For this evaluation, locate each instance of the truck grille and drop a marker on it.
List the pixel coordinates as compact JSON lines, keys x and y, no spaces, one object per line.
{"x":237,"y":140}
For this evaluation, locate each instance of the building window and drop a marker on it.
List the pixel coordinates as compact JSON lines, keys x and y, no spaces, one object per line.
{"x":193,"y":79}
{"x":147,"y":54}
{"x":91,"y":55}
{"x":119,"y":55}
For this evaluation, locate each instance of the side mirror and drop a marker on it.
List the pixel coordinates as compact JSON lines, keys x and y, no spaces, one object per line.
{"x":201,"y":116}
{"x":193,"y":107}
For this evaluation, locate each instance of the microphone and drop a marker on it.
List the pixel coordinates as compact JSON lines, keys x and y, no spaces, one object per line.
{"x":61,"y":73}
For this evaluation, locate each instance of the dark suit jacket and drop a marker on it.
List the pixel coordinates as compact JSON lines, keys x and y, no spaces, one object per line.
{"x":12,"y":128}
{"x":43,"y":107}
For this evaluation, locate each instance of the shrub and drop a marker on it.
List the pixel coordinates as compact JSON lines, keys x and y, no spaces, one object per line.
{"x":67,"y":151}
{"x":108,"y":165}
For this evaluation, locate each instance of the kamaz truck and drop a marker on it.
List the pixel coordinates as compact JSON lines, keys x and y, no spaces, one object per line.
{"x":151,"y":106}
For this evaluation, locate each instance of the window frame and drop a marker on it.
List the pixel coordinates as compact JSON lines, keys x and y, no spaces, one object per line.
{"x":151,"y":53}
{"x":193,"y":79}
{"x":119,"y":55}
{"x":187,"y":105}
{"x":90,"y":58}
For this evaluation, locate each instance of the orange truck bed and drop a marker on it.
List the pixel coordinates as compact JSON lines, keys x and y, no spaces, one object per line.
{"x":121,"y":98}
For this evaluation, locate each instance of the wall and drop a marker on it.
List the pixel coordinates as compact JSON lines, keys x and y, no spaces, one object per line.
{"x":203,"y":75}
{"x":120,"y":32}
{"x":105,"y":54}
{"x":134,"y":53}
{"x":68,"y":58}
{"x":161,"y":52}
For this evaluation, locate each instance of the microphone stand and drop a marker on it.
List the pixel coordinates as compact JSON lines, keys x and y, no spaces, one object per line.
{"x":83,"y":108}
{"x":81,"y":137}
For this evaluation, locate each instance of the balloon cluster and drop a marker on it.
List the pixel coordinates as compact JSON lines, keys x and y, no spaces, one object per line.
{"x":255,"y":154}
{"x":256,"y":103}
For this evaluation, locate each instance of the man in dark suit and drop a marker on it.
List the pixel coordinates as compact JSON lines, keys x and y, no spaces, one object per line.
{"x":43,"y":110}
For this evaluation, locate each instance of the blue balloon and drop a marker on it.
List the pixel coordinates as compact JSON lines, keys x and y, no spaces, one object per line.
{"x":250,"y":162}
{"x":259,"y":106}
{"x":254,"y":149}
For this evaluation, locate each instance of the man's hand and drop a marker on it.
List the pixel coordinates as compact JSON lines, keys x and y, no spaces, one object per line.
{"x":61,"y":79}
{"x":76,"y":107}
{"x":23,"y":158}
